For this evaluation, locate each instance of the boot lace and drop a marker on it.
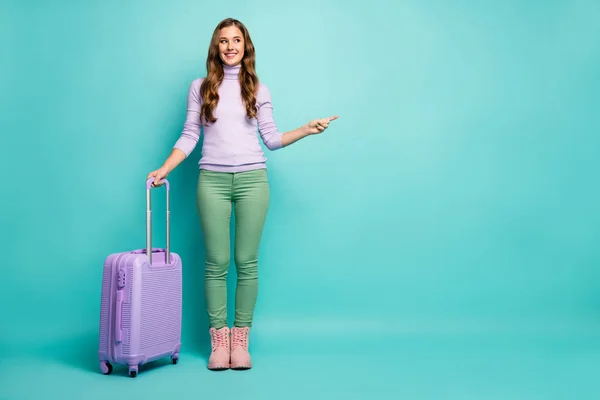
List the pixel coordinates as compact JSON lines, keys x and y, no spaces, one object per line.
{"x":219,"y":339}
{"x":239,"y":338}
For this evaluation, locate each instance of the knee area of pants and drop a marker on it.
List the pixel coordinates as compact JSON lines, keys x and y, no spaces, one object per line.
{"x":217,"y":270}
{"x":248,"y":272}
{"x":246,"y":263}
{"x":218,"y":262}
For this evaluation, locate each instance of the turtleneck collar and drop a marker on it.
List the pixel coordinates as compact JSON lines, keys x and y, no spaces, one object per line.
{"x":231,"y":73}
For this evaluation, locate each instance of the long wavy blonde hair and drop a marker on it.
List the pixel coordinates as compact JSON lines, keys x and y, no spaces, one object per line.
{"x":209,"y":90}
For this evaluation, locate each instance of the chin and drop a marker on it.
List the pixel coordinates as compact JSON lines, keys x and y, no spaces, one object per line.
{"x":231,"y":62}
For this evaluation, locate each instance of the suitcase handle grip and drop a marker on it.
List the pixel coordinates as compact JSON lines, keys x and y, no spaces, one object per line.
{"x":149,"y":221}
{"x":150,"y":181}
{"x":118,"y":318}
{"x":144,"y":251}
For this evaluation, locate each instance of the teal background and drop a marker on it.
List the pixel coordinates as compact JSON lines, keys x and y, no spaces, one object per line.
{"x":440,"y":240}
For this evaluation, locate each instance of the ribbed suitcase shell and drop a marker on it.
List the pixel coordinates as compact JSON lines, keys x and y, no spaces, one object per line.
{"x":140,"y":317}
{"x":141,"y":308}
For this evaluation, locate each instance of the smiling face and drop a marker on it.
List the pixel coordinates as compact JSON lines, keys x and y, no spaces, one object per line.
{"x":231,"y":45}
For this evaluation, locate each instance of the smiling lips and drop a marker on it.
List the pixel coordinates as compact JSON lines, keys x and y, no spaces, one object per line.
{"x":230,"y":55}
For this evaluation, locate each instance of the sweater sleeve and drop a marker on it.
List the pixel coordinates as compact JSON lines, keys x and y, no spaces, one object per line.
{"x":191,"y":128}
{"x":266,"y":124}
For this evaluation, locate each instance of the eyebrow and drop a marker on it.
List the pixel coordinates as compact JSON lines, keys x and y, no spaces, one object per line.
{"x":235,"y":37}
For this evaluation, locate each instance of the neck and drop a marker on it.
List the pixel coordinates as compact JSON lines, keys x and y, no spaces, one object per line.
{"x":231,"y":72}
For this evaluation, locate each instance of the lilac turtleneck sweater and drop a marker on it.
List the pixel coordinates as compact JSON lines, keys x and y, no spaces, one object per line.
{"x":231,"y":143}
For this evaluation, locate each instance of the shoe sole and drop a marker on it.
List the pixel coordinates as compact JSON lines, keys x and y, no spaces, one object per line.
{"x":218,"y":367}
{"x":241,"y":367}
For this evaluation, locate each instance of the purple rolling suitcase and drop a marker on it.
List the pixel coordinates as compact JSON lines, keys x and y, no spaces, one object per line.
{"x":140,"y":313}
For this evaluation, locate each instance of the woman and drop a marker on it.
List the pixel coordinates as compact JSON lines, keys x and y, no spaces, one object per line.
{"x":230,"y":104}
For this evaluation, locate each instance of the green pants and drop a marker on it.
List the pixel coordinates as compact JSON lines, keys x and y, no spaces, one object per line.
{"x":248,"y":194}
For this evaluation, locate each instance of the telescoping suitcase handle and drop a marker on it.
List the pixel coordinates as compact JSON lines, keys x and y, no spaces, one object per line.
{"x":149,"y":182}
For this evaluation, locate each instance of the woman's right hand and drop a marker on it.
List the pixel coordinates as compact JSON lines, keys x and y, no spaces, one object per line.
{"x":158,"y":174}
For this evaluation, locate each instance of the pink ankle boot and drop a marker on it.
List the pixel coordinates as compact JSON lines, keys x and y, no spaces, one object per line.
{"x":219,"y":357}
{"x":240,"y":358}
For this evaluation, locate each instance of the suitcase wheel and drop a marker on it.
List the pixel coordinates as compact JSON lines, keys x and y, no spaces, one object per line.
{"x":133,"y":370}
{"x":105,"y":367}
{"x":174,"y":358}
